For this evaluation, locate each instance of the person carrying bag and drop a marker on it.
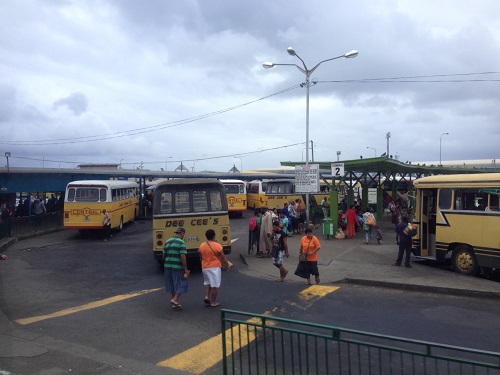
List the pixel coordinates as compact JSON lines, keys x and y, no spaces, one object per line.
{"x":308,"y":257}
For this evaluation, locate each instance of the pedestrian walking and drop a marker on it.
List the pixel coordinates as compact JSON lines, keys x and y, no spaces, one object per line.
{"x":279,"y":250}
{"x":212,"y":259}
{"x":308,"y":257}
{"x":404,"y":242}
{"x":106,"y":225}
{"x":176,"y":270}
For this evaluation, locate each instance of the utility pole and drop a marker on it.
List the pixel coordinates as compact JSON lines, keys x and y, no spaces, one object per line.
{"x":388,"y":135}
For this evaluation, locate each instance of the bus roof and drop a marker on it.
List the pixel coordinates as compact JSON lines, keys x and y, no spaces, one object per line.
{"x":232,"y":181}
{"x":113,"y":184}
{"x":189,"y":181}
{"x":486,"y":179}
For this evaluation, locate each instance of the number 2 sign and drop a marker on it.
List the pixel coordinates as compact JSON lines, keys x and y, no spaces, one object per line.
{"x":337,"y":170}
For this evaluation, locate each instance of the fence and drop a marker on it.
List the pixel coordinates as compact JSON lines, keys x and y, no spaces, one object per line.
{"x":30,"y":224}
{"x":270,"y":345}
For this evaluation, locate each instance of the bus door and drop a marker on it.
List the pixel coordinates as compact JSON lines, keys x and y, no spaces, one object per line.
{"x":428,"y":223}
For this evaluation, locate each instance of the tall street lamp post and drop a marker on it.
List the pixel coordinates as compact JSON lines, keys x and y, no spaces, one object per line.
{"x":440,"y":139}
{"x":241,"y":163}
{"x":307,"y":72}
{"x":7,"y":156}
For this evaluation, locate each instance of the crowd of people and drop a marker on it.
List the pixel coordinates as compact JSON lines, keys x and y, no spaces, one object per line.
{"x":34,"y":206}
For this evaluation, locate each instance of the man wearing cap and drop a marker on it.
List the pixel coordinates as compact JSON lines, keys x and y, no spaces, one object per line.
{"x":176,"y":271}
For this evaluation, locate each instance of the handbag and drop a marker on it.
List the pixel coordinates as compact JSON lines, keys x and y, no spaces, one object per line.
{"x":303,"y":256}
{"x":224,"y":265}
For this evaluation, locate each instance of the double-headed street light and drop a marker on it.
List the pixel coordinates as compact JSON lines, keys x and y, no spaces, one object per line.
{"x":307,"y":72}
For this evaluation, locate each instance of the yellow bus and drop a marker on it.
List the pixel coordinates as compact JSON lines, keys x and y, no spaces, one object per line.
{"x":281,"y":191}
{"x":236,"y":193}
{"x":458,"y":218}
{"x":195,"y":204}
{"x":256,"y":194}
{"x":85,"y":200}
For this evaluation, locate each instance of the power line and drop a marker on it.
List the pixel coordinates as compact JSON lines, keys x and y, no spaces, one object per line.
{"x":126,"y":133}
{"x":163,"y":161}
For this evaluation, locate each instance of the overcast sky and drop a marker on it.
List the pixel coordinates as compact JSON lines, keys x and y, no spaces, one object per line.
{"x":165,"y":81}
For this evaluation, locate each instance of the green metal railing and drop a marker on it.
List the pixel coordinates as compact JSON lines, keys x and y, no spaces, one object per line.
{"x":261,"y":344}
{"x":31,"y":224}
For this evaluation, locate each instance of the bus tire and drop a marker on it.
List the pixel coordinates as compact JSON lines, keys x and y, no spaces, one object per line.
{"x":464,"y":260}
{"x":120,"y":227}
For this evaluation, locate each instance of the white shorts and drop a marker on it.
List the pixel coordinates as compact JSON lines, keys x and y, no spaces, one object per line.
{"x":212,"y":277}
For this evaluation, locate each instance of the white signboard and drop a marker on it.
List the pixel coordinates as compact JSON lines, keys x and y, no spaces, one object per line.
{"x":307,"y":178}
{"x":337,"y":170}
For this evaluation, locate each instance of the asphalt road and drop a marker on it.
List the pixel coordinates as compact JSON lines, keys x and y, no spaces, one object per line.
{"x":109,"y":331}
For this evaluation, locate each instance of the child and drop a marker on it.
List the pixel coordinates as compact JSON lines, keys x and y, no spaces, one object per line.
{"x":379,"y":235}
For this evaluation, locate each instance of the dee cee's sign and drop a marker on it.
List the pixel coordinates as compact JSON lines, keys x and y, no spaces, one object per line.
{"x":307,"y":178}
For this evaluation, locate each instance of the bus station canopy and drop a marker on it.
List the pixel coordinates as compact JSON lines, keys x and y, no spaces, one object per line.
{"x":385,"y":166}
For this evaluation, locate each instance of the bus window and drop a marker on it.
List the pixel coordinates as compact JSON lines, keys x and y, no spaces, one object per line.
{"x":472,"y":199}
{"x":215,"y":201}
{"x":87,"y":195}
{"x":181,"y":201}
{"x":494,"y":202}
{"x":166,"y":203}
{"x":71,"y":195}
{"x":233,"y":188}
{"x":445,"y":197}
{"x":200,"y":203}
{"x":102,"y":195}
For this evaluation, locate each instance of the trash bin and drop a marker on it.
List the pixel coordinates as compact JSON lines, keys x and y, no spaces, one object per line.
{"x":328,"y":226}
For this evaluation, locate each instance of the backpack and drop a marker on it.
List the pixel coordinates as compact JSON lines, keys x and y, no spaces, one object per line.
{"x":410,"y":230}
{"x":370,"y":221}
{"x":253,"y":224}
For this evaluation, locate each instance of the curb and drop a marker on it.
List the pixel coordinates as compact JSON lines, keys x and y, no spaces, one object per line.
{"x":422,"y":288}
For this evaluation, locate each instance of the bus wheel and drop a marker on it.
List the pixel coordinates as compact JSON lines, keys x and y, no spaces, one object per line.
{"x":121,"y":224}
{"x":464,"y":260}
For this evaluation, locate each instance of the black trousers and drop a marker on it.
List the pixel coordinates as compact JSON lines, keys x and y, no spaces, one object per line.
{"x":106,"y":231}
{"x":402,"y":248}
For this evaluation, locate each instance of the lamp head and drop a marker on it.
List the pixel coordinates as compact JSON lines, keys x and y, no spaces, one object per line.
{"x":351,"y":54}
{"x":268,"y":65}
{"x":291,"y":51}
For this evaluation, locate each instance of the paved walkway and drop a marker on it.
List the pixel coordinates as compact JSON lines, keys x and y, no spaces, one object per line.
{"x":355,"y":261}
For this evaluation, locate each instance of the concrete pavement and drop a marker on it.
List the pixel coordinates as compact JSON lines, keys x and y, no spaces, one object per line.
{"x":340,"y":261}
{"x":354,"y":261}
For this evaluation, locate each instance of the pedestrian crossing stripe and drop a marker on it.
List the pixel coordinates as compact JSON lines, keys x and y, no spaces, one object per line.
{"x":211,"y":350}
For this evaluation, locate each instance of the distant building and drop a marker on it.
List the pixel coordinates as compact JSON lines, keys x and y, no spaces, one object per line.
{"x":181,"y":168}
{"x":234,"y":169}
{"x":99,"y":166}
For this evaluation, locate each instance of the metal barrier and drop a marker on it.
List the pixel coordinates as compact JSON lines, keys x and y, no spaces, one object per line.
{"x":264,"y":344}
{"x":31,"y":224}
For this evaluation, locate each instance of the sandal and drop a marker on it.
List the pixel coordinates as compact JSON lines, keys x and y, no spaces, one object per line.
{"x":174,"y":303}
{"x":280,"y":280}
{"x":307,"y":283}
{"x":217,"y":304}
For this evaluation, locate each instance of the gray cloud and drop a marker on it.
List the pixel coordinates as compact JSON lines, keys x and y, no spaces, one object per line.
{"x":76,"y":102}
